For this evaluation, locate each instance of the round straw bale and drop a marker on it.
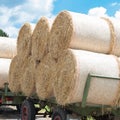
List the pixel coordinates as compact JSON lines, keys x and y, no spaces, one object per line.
{"x":60,"y":33}
{"x":7,"y":47}
{"x":72,"y":75}
{"x":15,"y":74}
{"x":24,"y":40}
{"x":66,"y":73}
{"x":80,"y":31}
{"x":4,"y":71}
{"x":17,"y":71}
{"x":40,"y":38}
{"x":28,"y":80}
{"x":45,"y":74}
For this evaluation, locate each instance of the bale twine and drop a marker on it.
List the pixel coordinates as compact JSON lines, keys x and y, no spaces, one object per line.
{"x":112,"y":34}
{"x":24,"y":40}
{"x":4,"y":71}
{"x":45,"y":74}
{"x":80,"y":31}
{"x":15,"y":74}
{"x":40,"y":39}
{"x":116,"y":101}
{"x":72,"y":74}
{"x":28,"y":80}
{"x":116,"y":48}
{"x":7,"y":47}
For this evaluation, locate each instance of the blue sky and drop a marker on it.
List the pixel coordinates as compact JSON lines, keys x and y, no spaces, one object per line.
{"x":14,"y":13}
{"x":85,"y":5}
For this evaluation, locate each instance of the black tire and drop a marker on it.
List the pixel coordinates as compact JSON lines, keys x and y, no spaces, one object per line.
{"x":59,"y":114}
{"x":27,"y":110}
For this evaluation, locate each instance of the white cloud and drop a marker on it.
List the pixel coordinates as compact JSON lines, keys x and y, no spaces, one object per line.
{"x":115,"y":4}
{"x":29,"y":11}
{"x":98,"y":11}
{"x":117,"y":15}
{"x":102,"y":12}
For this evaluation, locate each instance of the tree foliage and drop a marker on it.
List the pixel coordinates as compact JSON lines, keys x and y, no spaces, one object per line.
{"x":3,"y":34}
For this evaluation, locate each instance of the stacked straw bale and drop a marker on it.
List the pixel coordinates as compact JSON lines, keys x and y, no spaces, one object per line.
{"x":72,"y":70}
{"x":40,"y":39}
{"x":18,"y":64}
{"x":4,"y":71}
{"x":7,"y":52}
{"x":50,"y":61}
{"x":80,"y":31}
{"x":28,"y":81}
{"x":38,"y":51}
{"x":15,"y":74}
{"x":45,"y":75}
{"x":24,"y":41}
{"x":7,"y":47}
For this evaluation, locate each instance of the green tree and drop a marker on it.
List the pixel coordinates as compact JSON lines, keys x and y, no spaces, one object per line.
{"x":3,"y":34}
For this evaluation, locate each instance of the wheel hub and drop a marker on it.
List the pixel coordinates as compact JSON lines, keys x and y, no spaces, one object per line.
{"x":57,"y":118}
{"x":25,"y":113}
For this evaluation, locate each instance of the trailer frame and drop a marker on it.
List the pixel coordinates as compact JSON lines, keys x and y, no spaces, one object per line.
{"x":80,"y":109}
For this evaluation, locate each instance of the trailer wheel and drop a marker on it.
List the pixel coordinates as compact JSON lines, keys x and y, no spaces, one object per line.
{"x":27,"y":110}
{"x":59,"y":114}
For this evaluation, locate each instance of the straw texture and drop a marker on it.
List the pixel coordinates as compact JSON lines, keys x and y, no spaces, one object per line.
{"x":28,"y":80}
{"x":4,"y":71}
{"x":50,"y":61}
{"x":45,"y":75}
{"x":73,"y":70}
{"x":60,"y":33}
{"x":15,"y":74}
{"x":7,"y":47}
{"x":39,"y":50}
{"x":19,"y":62}
{"x":40,"y":39}
{"x":24,"y":40}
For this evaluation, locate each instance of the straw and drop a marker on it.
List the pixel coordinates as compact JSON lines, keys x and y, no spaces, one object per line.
{"x":60,"y":33}
{"x":45,"y":75}
{"x":40,"y":39}
{"x":24,"y":41}
{"x":4,"y":71}
{"x":73,"y":69}
{"x":7,"y":47}
{"x":28,"y":80}
{"x":15,"y":74}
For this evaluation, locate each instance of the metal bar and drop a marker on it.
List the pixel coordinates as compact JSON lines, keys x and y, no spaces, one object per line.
{"x":86,"y":90}
{"x":87,"y":86}
{"x":107,"y":77}
{"x":6,"y":88}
